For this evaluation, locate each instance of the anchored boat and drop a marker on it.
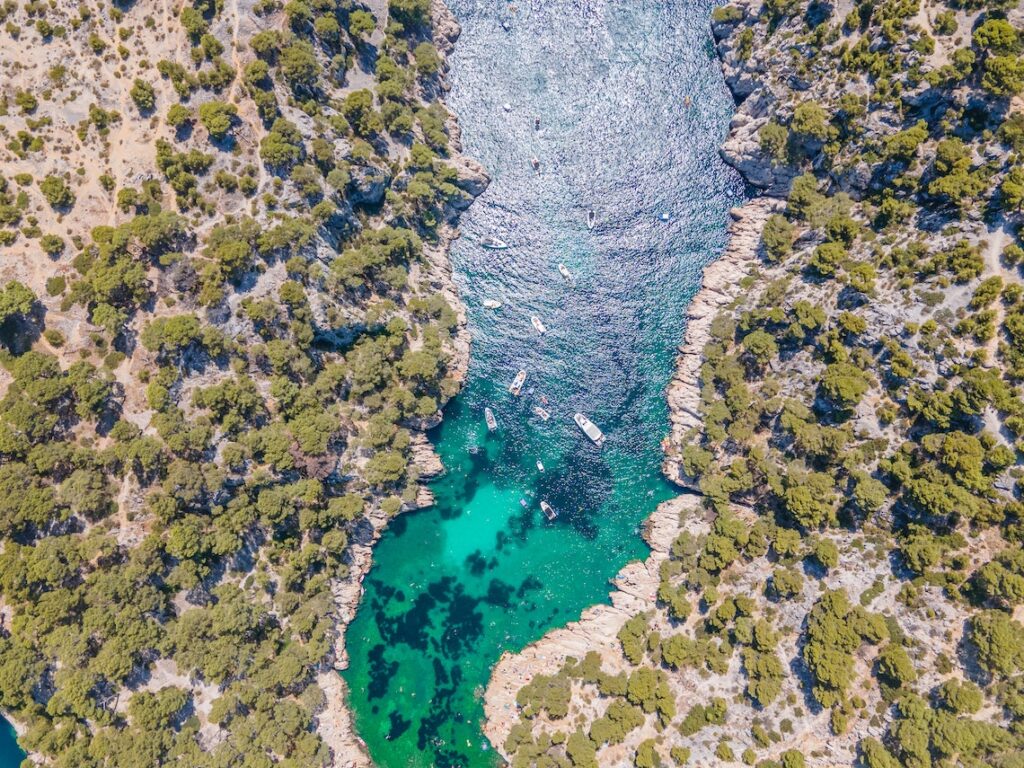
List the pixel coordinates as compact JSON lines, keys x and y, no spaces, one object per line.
{"x":591,"y":219}
{"x":549,"y":513}
{"x":492,"y":423}
{"x":564,"y":271}
{"x":544,"y":415}
{"x":589,"y":429}
{"x":494,"y":243}
{"x":491,"y":304}
{"x":541,"y":328}
{"x":517,"y":383}
{"x":540,"y":465}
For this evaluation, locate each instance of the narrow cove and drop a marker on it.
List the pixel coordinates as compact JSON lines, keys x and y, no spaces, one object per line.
{"x":478,"y":573}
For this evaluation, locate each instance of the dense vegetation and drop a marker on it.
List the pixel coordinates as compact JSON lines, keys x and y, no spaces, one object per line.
{"x":213,"y":378}
{"x":847,"y":588}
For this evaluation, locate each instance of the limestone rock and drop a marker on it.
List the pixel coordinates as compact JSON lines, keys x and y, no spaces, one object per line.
{"x":367,"y":185}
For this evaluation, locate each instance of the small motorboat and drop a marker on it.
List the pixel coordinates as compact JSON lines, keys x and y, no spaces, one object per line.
{"x":494,"y":243}
{"x":535,"y":163}
{"x":536,"y":123}
{"x":564,"y":272}
{"x":665,"y":217}
{"x":589,"y":429}
{"x":492,"y":423}
{"x":517,"y":383}
{"x":591,"y":219}
{"x":507,"y":107}
{"x":523,"y":503}
{"x":541,"y":328}
{"x":540,"y":465}
{"x":544,"y":415}
{"x":549,"y":513}
{"x":491,"y":304}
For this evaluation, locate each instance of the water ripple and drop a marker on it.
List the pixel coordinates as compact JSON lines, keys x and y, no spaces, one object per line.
{"x":455,"y":585}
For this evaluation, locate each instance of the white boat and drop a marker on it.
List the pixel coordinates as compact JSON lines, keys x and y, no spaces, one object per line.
{"x":535,"y":163}
{"x":544,"y":415}
{"x":517,"y":383}
{"x":591,"y":219}
{"x":589,"y":429}
{"x":491,"y":304}
{"x":665,"y":217}
{"x":540,"y":465}
{"x":541,"y":328}
{"x":492,"y":423}
{"x":523,"y":504}
{"x":507,"y":107}
{"x":494,"y":243}
{"x":564,"y":272}
{"x":549,"y":513}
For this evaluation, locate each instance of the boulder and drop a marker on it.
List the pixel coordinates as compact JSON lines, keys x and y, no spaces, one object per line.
{"x":367,"y":185}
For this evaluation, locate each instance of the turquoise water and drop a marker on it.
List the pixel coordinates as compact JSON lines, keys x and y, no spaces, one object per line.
{"x":478,"y":573}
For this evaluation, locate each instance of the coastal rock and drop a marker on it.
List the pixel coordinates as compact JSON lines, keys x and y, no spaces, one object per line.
{"x":473,"y":178}
{"x":742,"y":149}
{"x":597,"y":629}
{"x":446,"y":27}
{"x":424,"y":457}
{"x":720,"y":285}
{"x":367,"y":185}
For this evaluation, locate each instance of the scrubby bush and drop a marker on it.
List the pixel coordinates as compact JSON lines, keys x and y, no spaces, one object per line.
{"x":217,"y":117}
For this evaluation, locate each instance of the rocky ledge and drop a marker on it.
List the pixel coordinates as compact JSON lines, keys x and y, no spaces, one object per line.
{"x":720,"y":286}
{"x":636,"y":587}
{"x":335,"y":722}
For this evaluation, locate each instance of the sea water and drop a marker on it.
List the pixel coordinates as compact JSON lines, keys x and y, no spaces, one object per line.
{"x":479,"y":573}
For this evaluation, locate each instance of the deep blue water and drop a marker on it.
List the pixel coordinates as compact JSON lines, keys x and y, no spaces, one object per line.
{"x":455,"y":585}
{"x":10,"y":755}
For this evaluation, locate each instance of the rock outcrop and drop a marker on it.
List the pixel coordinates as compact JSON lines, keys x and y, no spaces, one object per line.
{"x":720,"y":285}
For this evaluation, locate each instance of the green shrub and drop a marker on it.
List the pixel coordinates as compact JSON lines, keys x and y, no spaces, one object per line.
{"x":217,"y":117}
{"x":57,"y":192}
{"x":143,"y":95}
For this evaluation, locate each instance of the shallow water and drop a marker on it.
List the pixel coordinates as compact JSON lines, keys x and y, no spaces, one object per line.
{"x":455,"y":585}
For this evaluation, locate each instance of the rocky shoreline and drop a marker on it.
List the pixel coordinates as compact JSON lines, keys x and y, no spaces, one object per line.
{"x":636,"y":587}
{"x":335,"y":723}
{"x":720,"y":286}
{"x":636,"y":584}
